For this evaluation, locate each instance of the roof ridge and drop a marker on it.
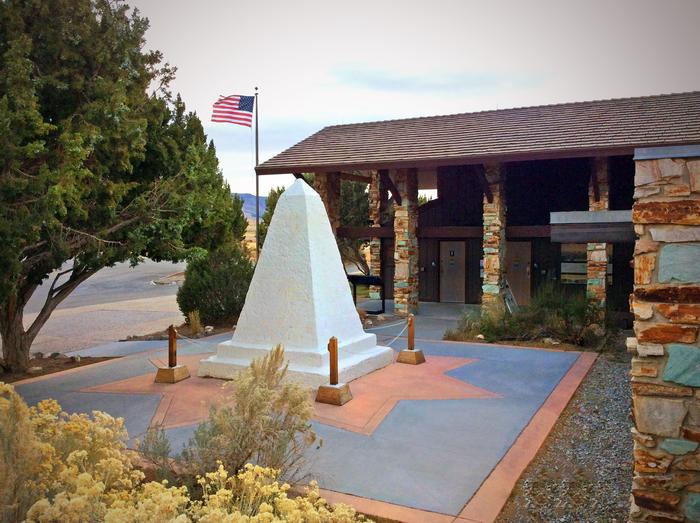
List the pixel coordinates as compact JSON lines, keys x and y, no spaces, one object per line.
{"x":485,"y":111}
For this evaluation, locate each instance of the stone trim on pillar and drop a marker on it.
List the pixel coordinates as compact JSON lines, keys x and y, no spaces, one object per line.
{"x":597,"y":253}
{"x":494,"y":238}
{"x":327,"y":185}
{"x":375,"y":244}
{"x":406,"y":243}
{"x":666,"y":362}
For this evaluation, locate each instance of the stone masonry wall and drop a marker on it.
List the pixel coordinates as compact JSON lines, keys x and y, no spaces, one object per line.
{"x":666,"y":363}
{"x":494,"y":239}
{"x":597,"y":256}
{"x":406,"y":244}
{"x":327,"y":185}
{"x":375,"y":244}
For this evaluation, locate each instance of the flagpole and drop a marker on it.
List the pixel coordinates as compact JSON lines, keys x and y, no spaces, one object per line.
{"x":257,"y":183}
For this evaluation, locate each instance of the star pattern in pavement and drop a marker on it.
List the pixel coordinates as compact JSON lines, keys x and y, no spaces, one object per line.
{"x":374,"y":395}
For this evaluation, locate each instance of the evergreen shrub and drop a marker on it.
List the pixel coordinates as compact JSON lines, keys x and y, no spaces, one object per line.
{"x":216,"y":284}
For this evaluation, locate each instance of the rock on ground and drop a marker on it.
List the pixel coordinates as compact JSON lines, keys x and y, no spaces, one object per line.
{"x":583,"y":472}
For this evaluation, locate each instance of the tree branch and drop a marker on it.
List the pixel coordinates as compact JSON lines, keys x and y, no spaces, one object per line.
{"x":90,"y":236}
{"x":53,"y":300}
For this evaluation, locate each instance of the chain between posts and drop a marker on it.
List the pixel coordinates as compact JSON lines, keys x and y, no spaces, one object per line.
{"x":399,"y":334}
{"x":192,"y":340}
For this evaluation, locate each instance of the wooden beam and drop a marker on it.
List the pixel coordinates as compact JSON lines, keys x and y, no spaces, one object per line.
{"x":350,"y":177}
{"x":527,"y":231}
{"x":386,"y":180}
{"x":447,"y":232}
{"x":300,"y":176}
{"x":365,"y":232}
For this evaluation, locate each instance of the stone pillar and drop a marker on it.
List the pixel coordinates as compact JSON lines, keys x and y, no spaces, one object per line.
{"x":494,"y":239}
{"x":406,"y":243}
{"x":327,"y":185}
{"x":597,"y":253}
{"x":666,"y":362}
{"x":375,"y":244}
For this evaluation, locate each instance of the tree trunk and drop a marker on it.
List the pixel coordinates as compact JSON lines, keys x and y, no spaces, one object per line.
{"x":15,"y":341}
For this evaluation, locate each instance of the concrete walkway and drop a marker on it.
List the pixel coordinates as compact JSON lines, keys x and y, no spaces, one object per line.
{"x":114,"y":303}
{"x":444,"y":441}
{"x":431,"y":321}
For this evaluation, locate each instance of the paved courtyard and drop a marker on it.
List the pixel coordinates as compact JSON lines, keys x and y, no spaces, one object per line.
{"x":443,"y":441}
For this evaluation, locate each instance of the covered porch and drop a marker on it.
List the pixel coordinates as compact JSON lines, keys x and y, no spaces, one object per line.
{"x":525,"y":197}
{"x":488,"y":234}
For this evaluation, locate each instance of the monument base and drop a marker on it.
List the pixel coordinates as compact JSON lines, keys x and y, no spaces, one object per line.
{"x":412,"y":357}
{"x":307,"y":368}
{"x":334,"y":394}
{"x":172,"y":374}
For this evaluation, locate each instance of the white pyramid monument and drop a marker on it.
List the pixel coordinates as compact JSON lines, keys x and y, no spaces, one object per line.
{"x":299,"y":297}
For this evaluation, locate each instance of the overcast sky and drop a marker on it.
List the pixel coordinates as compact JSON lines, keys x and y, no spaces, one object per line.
{"x":324,"y":62}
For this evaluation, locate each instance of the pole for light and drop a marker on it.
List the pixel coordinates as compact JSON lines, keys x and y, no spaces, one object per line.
{"x":257,"y":183}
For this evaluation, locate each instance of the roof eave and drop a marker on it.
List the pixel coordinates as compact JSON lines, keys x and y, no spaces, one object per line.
{"x":445,"y":161}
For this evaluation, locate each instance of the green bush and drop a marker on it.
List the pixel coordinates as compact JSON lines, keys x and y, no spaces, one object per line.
{"x":554,"y":312}
{"x":269,"y":423}
{"x":265,"y":420}
{"x":216,"y":284}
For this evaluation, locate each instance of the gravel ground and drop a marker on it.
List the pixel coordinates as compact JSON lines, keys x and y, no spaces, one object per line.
{"x":583,"y":472}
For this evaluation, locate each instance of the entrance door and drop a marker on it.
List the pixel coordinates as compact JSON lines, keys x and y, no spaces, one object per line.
{"x":518,"y":270}
{"x":452,"y":272}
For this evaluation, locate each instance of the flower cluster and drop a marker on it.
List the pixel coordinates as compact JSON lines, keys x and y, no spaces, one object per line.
{"x":64,"y":467}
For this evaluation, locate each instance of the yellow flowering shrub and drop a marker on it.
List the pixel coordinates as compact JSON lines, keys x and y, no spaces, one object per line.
{"x":25,"y":462}
{"x":59,"y":467}
{"x":255,"y":495}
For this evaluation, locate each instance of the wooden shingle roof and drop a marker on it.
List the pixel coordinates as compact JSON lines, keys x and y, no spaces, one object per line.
{"x":571,"y":129}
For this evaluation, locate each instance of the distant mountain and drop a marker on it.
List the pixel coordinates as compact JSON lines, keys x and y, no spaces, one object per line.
{"x":249,"y":204}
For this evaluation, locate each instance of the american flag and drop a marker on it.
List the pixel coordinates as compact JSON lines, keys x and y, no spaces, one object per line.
{"x":234,"y":109}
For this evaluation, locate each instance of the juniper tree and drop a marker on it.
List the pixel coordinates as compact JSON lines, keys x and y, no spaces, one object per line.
{"x":354,"y":212}
{"x":270,"y":205}
{"x":98,"y":163}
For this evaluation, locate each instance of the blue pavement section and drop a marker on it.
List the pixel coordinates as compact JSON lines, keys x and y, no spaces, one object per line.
{"x":128,"y":348}
{"x":137,"y":411}
{"x":178,"y":438}
{"x":120,"y":348}
{"x":434,"y":455}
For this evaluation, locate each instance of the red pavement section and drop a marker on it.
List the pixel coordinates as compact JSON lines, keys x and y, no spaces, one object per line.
{"x":488,"y":501}
{"x":183,"y":403}
{"x":374,"y":395}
